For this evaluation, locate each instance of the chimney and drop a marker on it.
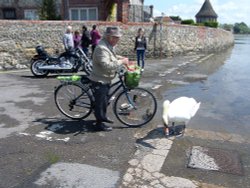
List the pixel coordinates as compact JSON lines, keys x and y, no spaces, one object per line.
{"x":151,"y":10}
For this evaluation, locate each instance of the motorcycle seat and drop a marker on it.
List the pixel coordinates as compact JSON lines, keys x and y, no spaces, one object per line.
{"x":53,"y":58}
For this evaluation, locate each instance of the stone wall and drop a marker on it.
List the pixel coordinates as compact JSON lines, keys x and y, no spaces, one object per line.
{"x":19,"y":38}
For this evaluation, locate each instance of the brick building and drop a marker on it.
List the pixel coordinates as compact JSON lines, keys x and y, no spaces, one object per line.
{"x":23,"y":9}
{"x":102,"y":10}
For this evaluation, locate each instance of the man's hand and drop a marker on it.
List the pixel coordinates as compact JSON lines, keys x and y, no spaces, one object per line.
{"x":125,"y":61}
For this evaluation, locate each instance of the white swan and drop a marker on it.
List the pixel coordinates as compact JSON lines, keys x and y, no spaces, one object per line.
{"x":180,"y":110}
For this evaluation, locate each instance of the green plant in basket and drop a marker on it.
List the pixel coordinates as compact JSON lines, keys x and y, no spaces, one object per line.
{"x":132,"y":77}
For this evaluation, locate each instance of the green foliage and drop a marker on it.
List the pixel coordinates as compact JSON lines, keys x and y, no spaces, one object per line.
{"x":188,"y":22}
{"x":211,"y":24}
{"x":199,"y":24}
{"x":52,"y":157}
{"x":175,"y":18}
{"x":227,"y":27}
{"x":112,"y":13}
{"x":48,"y":10}
{"x":241,"y":28}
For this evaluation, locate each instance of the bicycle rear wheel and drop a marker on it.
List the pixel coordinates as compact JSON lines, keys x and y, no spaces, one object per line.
{"x":135,"y":107}
{"x":73,"y":101}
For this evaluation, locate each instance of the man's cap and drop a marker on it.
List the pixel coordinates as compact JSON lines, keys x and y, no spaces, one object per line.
{"x":113,"y":31}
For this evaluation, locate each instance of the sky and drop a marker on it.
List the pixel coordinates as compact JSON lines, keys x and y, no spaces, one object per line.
{"x":228,"y":11}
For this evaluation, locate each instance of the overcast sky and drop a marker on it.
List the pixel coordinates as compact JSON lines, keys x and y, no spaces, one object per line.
{"x":228,"y":11}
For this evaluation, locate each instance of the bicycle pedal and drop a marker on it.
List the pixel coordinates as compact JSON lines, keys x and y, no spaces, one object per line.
{"x":126,"y":106}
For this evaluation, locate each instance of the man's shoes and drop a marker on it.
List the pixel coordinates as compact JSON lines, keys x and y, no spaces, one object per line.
{"x":108,"y":120}
{"x":102,"y":127}
{"x":106,"y":128}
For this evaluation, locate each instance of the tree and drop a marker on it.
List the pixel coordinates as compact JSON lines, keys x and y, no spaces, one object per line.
{"x":175,"y":18}
{"x":241,"y":28}
{"x":48,"y":10}
{"x":228,"y":27}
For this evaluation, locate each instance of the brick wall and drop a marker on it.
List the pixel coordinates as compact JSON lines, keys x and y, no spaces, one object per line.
{"x":123,"y":11}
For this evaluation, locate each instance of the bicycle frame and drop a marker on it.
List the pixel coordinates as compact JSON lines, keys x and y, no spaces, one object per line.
{"x":113,"y":89}
{"x":125,"y":100}
{"x":121,"y":85}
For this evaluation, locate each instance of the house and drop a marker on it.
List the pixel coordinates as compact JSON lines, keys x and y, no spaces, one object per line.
{"x":138,"y":12}
{"x":102,"y":10}
{"x":164,"y":19}
{"x":23,"y":9}
{"x":206,"y":13}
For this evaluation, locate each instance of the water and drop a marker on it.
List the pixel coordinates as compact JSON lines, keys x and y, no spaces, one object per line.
{"x":225,"y":95}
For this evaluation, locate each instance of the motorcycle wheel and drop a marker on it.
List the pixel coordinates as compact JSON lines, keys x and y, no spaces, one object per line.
{"x":36,"y":71}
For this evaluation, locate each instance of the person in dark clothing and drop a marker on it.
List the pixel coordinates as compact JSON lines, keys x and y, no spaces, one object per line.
{"x":95,"y":37}
{"x":85,"y":41}
{"x":140,"y":48}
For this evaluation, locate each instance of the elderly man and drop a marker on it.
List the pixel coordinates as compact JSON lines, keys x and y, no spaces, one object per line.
{"x":105,"y":64}
{"x":68,"y":41}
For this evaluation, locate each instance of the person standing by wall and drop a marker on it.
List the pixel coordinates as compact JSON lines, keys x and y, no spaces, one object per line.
{"x":68,"y":41}
{"x":105,"y":64}
{"x":77,"y":39}
{"x":85,"y":41}
{"x":95,"y":37}
{"x":140,"y":48}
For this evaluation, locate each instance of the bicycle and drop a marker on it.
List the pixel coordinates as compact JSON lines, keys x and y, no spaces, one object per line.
{"x":133,"y":107}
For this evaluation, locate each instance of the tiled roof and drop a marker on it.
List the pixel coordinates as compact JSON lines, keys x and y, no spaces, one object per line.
{"x":206,"y":10}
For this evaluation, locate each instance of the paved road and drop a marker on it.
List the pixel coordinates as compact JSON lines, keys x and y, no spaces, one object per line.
{"x":42,"y":148}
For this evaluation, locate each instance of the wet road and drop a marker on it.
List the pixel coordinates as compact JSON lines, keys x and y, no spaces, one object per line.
{"x":222,"y":122}
{"x":33,"y":134}
{"x":225,"y":94}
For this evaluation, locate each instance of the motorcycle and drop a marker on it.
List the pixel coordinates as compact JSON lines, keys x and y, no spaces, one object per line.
{"x":68,"y":62}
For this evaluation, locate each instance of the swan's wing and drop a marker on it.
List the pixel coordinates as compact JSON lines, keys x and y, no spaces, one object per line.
{"x":195,"y":109}
{"x":182,"y":109}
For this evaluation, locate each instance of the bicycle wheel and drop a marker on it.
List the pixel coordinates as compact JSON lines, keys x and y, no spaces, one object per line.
{"x":73,"y":101}
{"x":135,"y":107}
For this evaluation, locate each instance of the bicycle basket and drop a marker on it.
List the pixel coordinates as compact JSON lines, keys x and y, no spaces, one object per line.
{"x":73,"y":78}
{"x":132,"y":78}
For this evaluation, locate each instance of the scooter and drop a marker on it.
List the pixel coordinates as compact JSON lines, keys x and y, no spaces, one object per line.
{"x":68,"y":62}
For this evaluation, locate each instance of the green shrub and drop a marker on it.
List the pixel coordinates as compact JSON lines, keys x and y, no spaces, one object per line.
{"x":211,"y":24}
{"x":188,"y":22}
{"x":199,"y":24}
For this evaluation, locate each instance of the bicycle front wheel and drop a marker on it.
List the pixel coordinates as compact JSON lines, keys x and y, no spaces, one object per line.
{"x":135,"y":107}
{"x":73,"y":101}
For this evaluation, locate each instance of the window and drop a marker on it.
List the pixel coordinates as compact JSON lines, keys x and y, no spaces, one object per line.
{"x":92,"y":14}
{"x":74,"y":14}
{"x":83,"y":14}
{"x":31,"y":14}
{"x":9,"y":13}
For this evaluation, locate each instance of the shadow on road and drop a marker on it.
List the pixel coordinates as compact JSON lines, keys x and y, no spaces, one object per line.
{"x":75,"y":127}
{"x":66,"y":126}
{"x":158,"y":133}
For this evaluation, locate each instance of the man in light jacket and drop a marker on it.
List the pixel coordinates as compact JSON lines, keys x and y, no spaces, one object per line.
{"x":68,"y":41}
{"x":105,"y":64}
